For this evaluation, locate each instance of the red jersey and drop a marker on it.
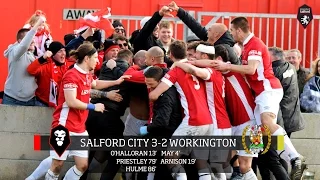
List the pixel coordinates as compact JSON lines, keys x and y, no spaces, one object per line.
{"x":263,"y":79}
{"x":137,"y":75}
{"x":215,"y":98}
{"x":73,"y":119}
{"x":192,"y":96}
{"x":48,"y":74}
{"x":239,"y":99}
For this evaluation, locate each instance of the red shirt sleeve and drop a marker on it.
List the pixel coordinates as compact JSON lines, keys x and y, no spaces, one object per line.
{"x":172,"y":76}
{"x":212,"y":74}
{"x":136,"y":74}
{"x":255,"y":53}
{"x":68,"y":82}
{"x":34,"y":68}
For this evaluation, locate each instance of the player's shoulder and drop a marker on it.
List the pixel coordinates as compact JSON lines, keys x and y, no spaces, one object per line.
{"x":175,"y":70}
{"x":71,"y":74}
{"x":257,"y":42}
{"x":178,"y":69}
{"x":71,"y":71}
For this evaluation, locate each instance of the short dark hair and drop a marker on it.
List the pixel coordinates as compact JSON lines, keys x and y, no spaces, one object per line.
{"x":242,"y":23}
{"x":222,"y":51}
{"x":68,"y":37}
{"x":154,"y":72}
{"x":193,"y":45}
{"x":125,"y":53}
{"x":178,"y":49}
{"x":20,"y":34}
{"x":277,"y":52}
{"x":120,"y":37}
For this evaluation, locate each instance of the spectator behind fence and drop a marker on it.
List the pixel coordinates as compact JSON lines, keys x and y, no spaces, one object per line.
{"x":49,"y":70}
{"x":165,"y":35}
{"x":111,"y":49}
{"x":122,"y":41}
{"x":290,"y":103}
{"x":142,"y":23}
{"x":20,"y":86}
{"x":289,"y":117}
{"x":118,"y":29}
{"x":146,"y":38}
{"x":310,"y":97}
{"x":294,"y":57}
{"x":43,"y":37}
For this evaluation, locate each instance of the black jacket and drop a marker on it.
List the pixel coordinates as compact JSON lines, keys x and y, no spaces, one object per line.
{"x":167,"y":114}
{"x":202,"y":33}
{"x":114,"y":74}
{"x":133,"y":37}
{"x":302,"y":74}
{"x":290,"y":103}
{"x":144,"y":39}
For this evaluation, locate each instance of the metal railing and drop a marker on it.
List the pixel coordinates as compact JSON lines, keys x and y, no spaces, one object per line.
{"x":282,"y":30}
{"x":263,"y":22}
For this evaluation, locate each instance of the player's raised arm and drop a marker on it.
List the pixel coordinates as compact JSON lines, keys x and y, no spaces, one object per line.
{"x":101,"y":84}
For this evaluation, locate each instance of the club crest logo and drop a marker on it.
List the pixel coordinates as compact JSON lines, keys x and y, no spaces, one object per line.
{"x":59,"y":139}
{"x":256,"y":139}
{"x":304,"y":15}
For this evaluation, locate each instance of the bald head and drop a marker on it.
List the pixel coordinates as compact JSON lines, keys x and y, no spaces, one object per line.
{"x":219,"y":27}
{"x":155,"y":55}
{"x":140,"y":58}
{"x":156,"y":51}
{"x":216,"y":31}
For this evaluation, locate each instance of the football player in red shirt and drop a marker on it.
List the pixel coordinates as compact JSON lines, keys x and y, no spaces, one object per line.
{"x":257,"y":66}
{"x":197,"y":120}
{"x":215,"y":92}
{"x":73,"y":106}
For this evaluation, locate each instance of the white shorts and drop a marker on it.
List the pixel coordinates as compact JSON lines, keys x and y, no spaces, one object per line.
{"x":268,"y":101}
{"x":132,"y":125}
{"x":70,"y":153}
{"x":237,"y":131}
{"x":222,"y":132}
{"x":185,"y":129}
{"x":220,"y":156}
